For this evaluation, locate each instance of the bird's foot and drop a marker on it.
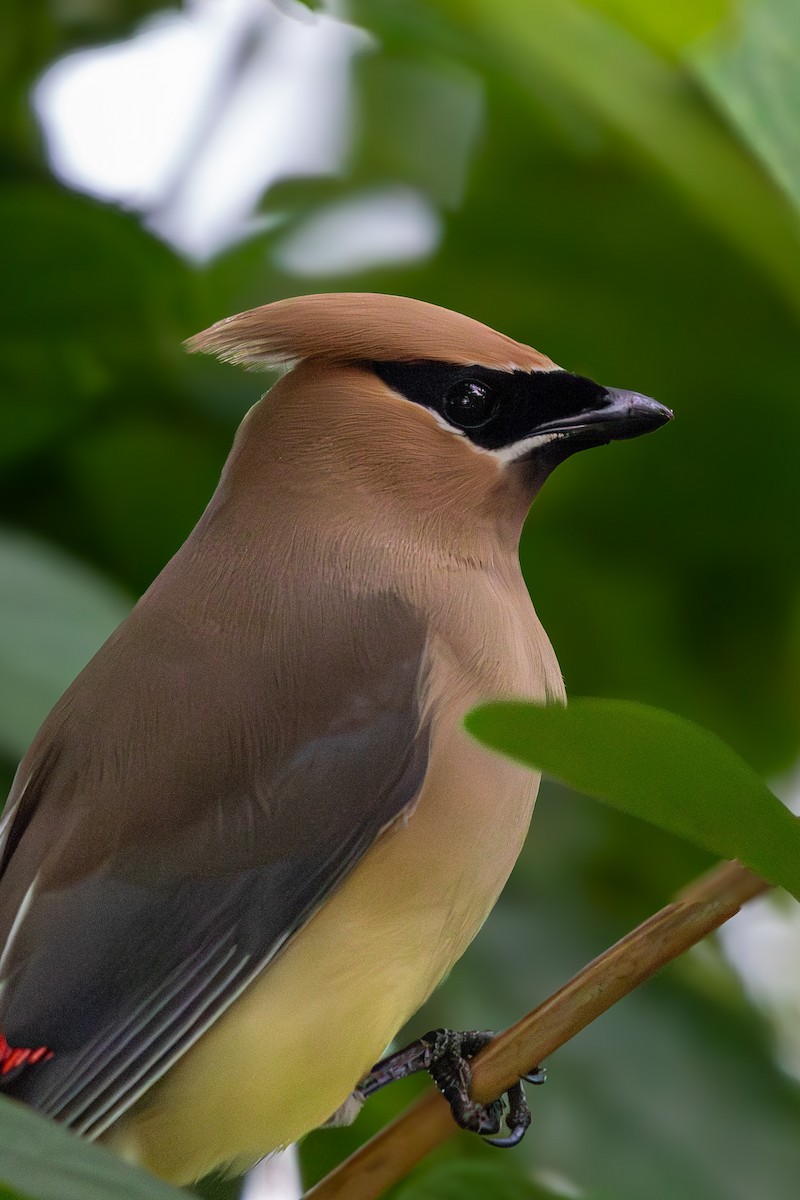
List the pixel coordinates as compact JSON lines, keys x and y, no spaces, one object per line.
{"x":445,"y":1055}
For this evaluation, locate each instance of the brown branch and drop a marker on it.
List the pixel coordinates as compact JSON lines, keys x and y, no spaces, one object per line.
{"x":699,"y":909}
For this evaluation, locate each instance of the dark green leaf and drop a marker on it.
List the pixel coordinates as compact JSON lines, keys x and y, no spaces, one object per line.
{"x":42,"y":1161}
{"x":751,"y":70}
{"x":657,"y":766}
{"x":576,"y":48}
{"x":473,"y":1181}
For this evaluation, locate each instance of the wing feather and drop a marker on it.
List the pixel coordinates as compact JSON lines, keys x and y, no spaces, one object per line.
{"x":123,"y":960}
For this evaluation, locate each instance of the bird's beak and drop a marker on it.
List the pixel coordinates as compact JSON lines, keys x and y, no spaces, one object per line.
{"x":617,"y":415}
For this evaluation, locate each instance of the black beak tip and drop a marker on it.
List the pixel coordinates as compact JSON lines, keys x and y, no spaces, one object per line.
{"x":635,"y":414}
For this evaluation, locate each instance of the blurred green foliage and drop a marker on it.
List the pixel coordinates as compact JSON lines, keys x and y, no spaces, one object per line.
{"x":461,"y":1181}
{"x":629,"y":206}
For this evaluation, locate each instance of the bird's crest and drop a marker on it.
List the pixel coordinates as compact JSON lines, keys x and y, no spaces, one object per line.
{"x":359,"y":326}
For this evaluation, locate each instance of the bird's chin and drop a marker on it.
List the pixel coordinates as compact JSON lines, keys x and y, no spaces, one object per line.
{"x":540,"y":462}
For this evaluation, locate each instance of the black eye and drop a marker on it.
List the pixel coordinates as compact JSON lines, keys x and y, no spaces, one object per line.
{"x":469,"y":404}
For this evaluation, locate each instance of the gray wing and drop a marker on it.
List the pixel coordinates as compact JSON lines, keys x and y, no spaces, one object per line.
{"x":125,"y":944}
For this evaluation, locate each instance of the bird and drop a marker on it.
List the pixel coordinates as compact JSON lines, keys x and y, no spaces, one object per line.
{"x":253,"y":835}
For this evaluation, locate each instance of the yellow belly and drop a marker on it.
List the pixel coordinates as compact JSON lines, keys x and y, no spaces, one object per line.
{"x":287,"y":1054}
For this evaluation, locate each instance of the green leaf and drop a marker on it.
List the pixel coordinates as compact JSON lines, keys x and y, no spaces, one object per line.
{"x":54,"y":614}
{"x":40,"y":1160}
{"x":669,"y":28}
{"x":752,"y":74}
{"x":9,"y":1194}
{"x":561,"y":44}
{"x":655,"y":765}
{"x":473,"y":1181}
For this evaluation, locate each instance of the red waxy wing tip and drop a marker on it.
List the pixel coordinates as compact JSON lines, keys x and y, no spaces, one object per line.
{"x":18,"y":1056}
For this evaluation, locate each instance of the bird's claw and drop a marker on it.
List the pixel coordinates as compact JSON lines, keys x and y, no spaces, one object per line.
{"x":445,"y":1055}
{"x":518,"y":1119}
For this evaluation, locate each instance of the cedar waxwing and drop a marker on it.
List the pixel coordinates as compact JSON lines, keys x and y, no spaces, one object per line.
{"x":253,"y":835}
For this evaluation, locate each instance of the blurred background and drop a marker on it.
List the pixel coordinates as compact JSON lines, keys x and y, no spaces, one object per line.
{"x":614,"y":181}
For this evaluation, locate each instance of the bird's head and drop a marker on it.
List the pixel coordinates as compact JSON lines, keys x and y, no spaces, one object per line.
{"x":491,"y":409}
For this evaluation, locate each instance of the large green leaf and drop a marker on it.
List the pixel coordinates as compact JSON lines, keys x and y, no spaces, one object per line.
{"x":651,"y":106}
{"x":473,"y":1181}
{"x":54,"y":614}
{"x":40,"y":1160}
{"x":751,"y":71}
{"x":668,"y":27}
{"x":655,"y":765}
